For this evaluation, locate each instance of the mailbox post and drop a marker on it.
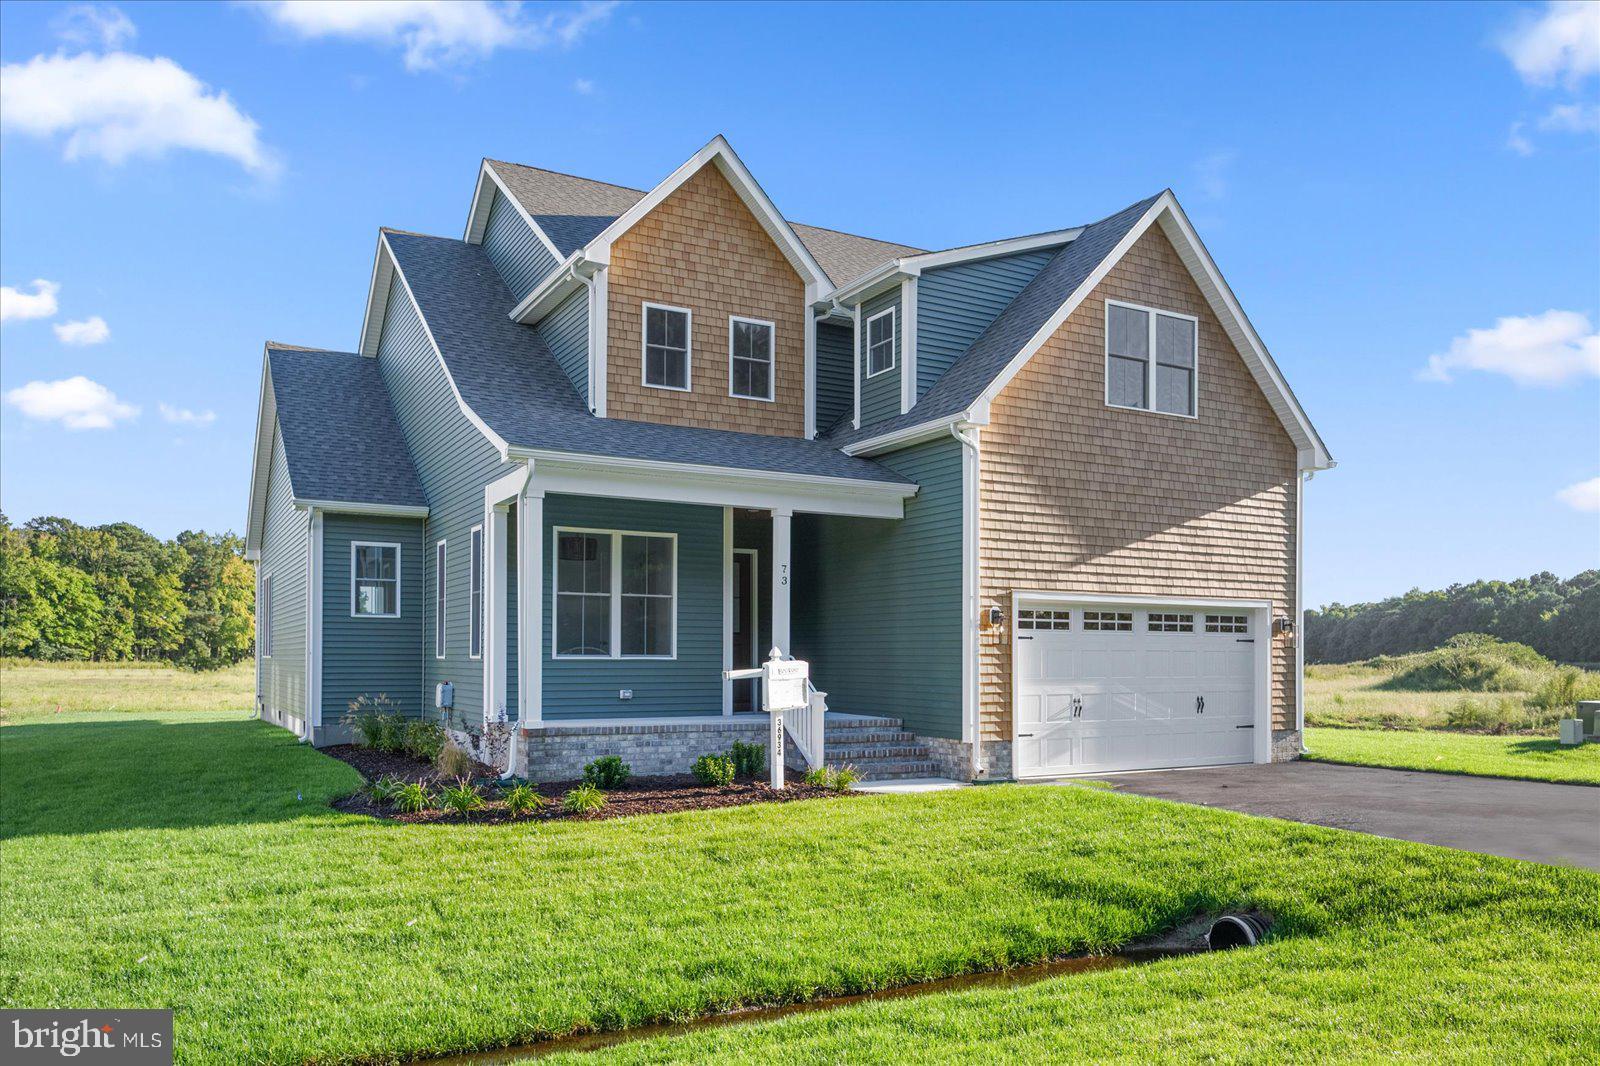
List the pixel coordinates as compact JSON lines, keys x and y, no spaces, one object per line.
{"x":783,"y":690}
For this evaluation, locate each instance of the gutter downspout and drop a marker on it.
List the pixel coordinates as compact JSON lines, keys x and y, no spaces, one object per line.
{"x":1299,"y":606}
{"x":969,"y":567}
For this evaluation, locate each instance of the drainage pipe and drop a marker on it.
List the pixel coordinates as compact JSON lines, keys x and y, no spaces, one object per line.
{"x":1236,"y":931}
{"x":511,"y":751}
{"x":967,"y":434}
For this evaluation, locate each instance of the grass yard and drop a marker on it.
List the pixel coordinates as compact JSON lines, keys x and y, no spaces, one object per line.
{"x":28,"y":688}
{"x":187,"y":859}
{"x":1533,"y":758}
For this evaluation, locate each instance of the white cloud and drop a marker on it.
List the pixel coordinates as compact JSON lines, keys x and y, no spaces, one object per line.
{"x":1545,"y":349}
{"x":583,"y":87}
{"x":91,"y":330}
{"x":1584,"y":496}
{"x":1211,"y":174}
{"x":1517,"y":140}
{"x":118,"y":106}
{"x":1559,"y":45}
{"x":16,"y":305}
{"x":182,"y":416}
{"x":437,"y":33}
{"x":76,"y":403}
{"x":1572,"y":118}
{"x":90,"y":25}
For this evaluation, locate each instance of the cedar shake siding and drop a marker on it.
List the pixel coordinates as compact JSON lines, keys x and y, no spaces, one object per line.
{"x":1081,"y":497}
{"x":702,"y":249}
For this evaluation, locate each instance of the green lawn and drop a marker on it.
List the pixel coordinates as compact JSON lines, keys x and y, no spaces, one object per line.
{"x":187,"y":859}
{"x":30,"y":688}
{"x":1534,"y":758}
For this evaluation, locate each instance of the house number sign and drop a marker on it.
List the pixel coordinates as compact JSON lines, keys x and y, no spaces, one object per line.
{"x":785,"y":688}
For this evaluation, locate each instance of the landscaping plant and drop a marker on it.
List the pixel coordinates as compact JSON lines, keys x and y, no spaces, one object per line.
{"x":377,"y":721}
{"x":585,"y":799}
{"x":522,"y":799}
{"x":714,"y":770}
{"x":424,"y":739}
{"x":844,"y":777}
{"x":608,"y":771}
{"x":462,"y":798}
{"x":384,"y":789}
{"x":453,"y":762}
{"x":749,"y":760}
{"x":412,"y":797}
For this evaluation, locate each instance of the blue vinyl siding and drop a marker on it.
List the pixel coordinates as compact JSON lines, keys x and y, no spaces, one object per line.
{"x":836,"y":383}
{"x":880,"y":395}
{"x":690,"y":684}
{"x":517,"y":252}
{"x":285,"y":539}
{"x":565,"y":331}
{"x":877,"y":603}
{"x":454,"y":462}
{"x":366,"y":654}
{"x":955,"y":304}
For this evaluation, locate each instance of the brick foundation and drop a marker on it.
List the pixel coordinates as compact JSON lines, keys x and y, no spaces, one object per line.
{"x":559,"y":753}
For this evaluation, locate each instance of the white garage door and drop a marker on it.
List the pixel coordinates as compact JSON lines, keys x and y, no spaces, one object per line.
{"x":1103,"y":688}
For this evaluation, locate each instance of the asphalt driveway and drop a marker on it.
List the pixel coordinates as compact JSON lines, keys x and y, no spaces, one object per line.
{"x":1557,"y":824}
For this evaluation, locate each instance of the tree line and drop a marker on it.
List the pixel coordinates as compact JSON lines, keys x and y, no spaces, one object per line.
{"x":114,"y":592}
{"x":1559,"y":619}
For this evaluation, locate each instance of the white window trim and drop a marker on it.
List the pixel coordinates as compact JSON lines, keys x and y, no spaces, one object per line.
{"x":616,"y":536}
{"x":772,"y":358}
{"x":644,"y":346}
{"x":264,"y":609}
{"x":475,"y":535}
{"x":1150,"y":361}
{"x":441,"y":600}
{"x":397,"y":575}
{"x":894,"y":337}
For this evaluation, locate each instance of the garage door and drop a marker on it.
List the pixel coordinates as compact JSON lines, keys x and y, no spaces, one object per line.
{"x":1102,"y":688}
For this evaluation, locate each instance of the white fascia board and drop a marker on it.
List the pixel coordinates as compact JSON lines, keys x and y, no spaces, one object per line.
{"x":720,"y":153}
{"x":900,"y":438}
{"x":261,"y":462}
{"x":879,"y":279}
{"x":560,"y":283}
{"x":380,"y":510}
{"x":600,"y":475}
{"x":467,"y":412}
{"x":1051,"y":596}
{"x":377,"y":299}
{"x":481,"y":203}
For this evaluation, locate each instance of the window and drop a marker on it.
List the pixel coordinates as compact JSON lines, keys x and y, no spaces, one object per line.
{"x":475,"y":594}
{"x":374,"y":580}
{"x":1171,"y":623}
{"x":265,"y":607}
{"x":615,"y":595}
{"x":1108,"y":621}
{"x":666,"y":347}
{"x":1044,"y":619}
{"x":880,"y":342}
{"x":1151,"y":359}
{"x":1227,"y":623}
{"x":438,"y":600}
{"x":750,"y":358}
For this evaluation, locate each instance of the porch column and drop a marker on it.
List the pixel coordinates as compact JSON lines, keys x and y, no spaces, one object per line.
{"x":530,"y":605}
{"x":727,"y":608}
{"x":781,"y":579}
{"x":494,"y":587}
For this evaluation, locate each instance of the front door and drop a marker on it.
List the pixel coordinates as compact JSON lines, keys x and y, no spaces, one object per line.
{"x":746,"y":653}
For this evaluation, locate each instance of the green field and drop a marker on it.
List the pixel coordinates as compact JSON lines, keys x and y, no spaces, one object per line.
{"x":1533,"y":758}
{"x":188,"y":859}
{"x":30,"y":688}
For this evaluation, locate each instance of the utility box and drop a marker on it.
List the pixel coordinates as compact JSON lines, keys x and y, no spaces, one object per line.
{"x":444,"y":695}
{"x":1589,"y":715}
{"x":1571,"y":731}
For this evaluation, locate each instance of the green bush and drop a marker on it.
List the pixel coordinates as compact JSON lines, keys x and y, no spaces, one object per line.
{"x":585,"y":799}
{"x":749,"y":760}
{"x":453,"y":762}
{"x":462,"y":797}
{"x":608,"y":771}
{"x":412,"y":797}
{"x":1561,"y":691}
{"x":376,"y":720}
{"x":522,"y":799}
{"x":424,"y":739}
{"x":383,"y":790}
{"x":844,"y":777}
{"x":839,"y":780}
{"x":716,"y":770}
{"x":1469,"y":661}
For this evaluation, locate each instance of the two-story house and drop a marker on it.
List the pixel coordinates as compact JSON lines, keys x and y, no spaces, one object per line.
{"x":1028,"y":508}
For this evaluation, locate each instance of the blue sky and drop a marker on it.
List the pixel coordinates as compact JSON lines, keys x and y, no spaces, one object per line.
{"x":1388,"y":189}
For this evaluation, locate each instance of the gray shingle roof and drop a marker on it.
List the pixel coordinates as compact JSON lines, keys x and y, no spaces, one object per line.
{"x":960,"y":386}
{"x":340,"y":435}
{"x":508,"y":377}
{"x":572,"y":211}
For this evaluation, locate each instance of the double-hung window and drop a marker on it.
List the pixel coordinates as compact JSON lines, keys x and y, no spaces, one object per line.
{"x":374,"y":580}
{"x":1151,"y":359}
{"x":438,"y":600}
{"x":265,"y":607}
{"x":750,"y":358}
{"x":615,"y":595}
{"x":475,"y":593}
{"x":666,"y":347}
{"x":880,"y":342}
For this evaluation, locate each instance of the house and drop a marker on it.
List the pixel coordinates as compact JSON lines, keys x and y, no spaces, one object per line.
{"x":1027,"y":508}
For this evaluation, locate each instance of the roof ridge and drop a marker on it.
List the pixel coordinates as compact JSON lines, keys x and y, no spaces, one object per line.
{"x":285,"y":346}
{"x":565,"y":174}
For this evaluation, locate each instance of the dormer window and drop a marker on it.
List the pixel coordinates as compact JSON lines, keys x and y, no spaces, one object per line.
{"x":880,"y":342}
{"x":666,"y":347}
{"x":750,"y":358}
{"x":1151,"y":359}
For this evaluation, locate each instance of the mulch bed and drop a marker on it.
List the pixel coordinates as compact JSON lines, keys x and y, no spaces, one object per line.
{"x":641,"y":795}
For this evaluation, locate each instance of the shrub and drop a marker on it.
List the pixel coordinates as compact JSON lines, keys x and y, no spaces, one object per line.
{"x":716,"y":770}
{"x":1468,"y":661}
{"x":375,"y":719}
{"x":585,"y":799}
{"x":1563,"y":689}
{"x":608,"y":771}
{"x":749,"y":760}
{"x":424,"y":739}
{"x":384,"y":788}
{"x":462,"y":797}
{"x":453,"y":762}
{"x":817,"y":775}
{"x":411,"y":797}
{"x":844,"y":777}
{"x":522,"y":799}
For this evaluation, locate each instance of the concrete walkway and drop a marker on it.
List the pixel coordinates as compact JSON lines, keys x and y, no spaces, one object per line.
{"x":1557,"y":824}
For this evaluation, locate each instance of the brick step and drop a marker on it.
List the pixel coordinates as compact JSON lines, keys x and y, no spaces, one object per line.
{"x":861,"y":722}
{"x":869,"y":736}
{"x":855,"y":753}
{"x":892,"y":769}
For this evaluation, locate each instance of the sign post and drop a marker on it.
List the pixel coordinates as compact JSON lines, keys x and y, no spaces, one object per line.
{"x":784,"y":690}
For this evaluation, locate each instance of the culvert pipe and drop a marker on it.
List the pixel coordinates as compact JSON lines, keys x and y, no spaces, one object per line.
{"x":1236,"y":931}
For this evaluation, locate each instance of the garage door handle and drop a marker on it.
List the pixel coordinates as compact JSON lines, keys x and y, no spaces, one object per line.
{"x":1024,"y":734}
{"x":1244,"y":727}
{"x":1199,"y":705}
